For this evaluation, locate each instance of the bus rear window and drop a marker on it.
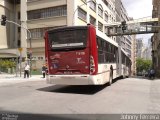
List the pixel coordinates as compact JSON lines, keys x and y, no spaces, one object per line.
{"x":68,"y":39}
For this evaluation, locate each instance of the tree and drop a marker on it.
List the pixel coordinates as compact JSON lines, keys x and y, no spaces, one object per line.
{"x":143,"y":64}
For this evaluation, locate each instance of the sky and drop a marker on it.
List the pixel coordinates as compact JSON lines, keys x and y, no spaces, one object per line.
{"x":139,"y":9}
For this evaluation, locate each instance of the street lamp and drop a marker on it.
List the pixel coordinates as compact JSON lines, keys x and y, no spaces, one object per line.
{"x":30,"y":38}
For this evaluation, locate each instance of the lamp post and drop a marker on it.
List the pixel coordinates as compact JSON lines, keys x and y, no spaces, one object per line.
{"x":30,"y":38}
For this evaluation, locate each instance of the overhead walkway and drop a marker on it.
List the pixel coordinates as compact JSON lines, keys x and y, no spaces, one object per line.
{"x":138,"y":26}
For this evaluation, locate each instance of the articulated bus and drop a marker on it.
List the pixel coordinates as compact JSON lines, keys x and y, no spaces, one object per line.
{"x":80,"y":55}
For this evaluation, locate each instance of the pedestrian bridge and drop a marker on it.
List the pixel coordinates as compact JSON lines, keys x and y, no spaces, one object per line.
{"x":138,"y":26}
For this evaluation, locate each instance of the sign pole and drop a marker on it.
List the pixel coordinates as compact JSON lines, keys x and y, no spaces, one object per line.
{"x":20,"y":60}
{"x":30,"y":59}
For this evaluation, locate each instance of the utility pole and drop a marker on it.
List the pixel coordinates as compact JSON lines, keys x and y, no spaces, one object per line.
{"x":3,"y":22}
{"x":20,"y":59}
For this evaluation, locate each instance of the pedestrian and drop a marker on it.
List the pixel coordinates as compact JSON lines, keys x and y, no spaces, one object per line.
{"x":26,"y":71}
{"x":152,"y":73}
{"x":44,"y":71}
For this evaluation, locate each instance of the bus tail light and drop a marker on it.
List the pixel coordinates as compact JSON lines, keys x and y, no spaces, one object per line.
{"x":93,"y":50}
{"x":92,"y":65}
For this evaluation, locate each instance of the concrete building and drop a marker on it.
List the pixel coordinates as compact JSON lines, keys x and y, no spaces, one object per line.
{"x":134,"y":55}
{"x":142,"y":50}
{"x":146,"y":52}
{"x":156,"y":39}
{"x":10,"y":34}
{"x":44,"y":15}
{"x":139,"y":47}
{"x":41,"y":15}
{"x":128,"y":42}
{"x":121,"y":15}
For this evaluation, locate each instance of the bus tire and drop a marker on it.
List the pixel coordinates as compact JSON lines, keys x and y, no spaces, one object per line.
{"x":110,"y":78}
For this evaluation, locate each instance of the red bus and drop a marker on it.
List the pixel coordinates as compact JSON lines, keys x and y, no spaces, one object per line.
{"x":80,"y":55}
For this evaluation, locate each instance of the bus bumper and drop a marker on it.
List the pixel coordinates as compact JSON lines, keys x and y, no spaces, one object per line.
{"x":72,"y":80}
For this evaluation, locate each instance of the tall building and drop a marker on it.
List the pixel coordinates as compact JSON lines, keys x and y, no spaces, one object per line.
{"x":134,"y":55}
{"x":127,"y":42}
{"x":142,"y":50}
{"x":139,"y":47}
{"x":48,"y":14}
{"x":156,"y":39}
{"x":41,"y":15}
{"x":121,"y":15}
{"x":10,"y":33}
{"x":146,"y":53}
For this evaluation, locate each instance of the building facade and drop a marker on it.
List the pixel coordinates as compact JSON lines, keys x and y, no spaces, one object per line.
{"x":37,"y":16}
{"x":43,"y":15}
{"x":121,"y":15}
{"x":127,"y":42}
{"x":146,"y":53}
{"x":134,"y":55}
{"x":156,"y":39}
{"x":10,"y":33}
{"x":139,"y":47}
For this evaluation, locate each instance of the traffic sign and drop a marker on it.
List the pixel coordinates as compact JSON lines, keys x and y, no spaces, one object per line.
{"x":20,"y":49}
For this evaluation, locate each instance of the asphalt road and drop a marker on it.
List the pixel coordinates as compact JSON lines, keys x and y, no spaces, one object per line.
{"x":125,"y":96}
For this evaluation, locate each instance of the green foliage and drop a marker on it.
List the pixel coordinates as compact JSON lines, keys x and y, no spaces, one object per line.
{"x":143,"y":64}
{"x":7,"y":64}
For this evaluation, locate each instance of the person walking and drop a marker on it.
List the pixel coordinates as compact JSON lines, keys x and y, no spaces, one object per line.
{"x":152,"y":73}
{"x":26,"y":71}
{"x":44,"y":71}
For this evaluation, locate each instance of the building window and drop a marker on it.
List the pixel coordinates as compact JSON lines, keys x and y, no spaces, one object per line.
{"x":100,"y":11}
{"x":82,"y":14}
{"x":106,"y":17}
{"x":92,"y":20}
{"x":106,"y":29}
{"x":84,"y":1}
{"x":47,"y":12}
{"x":19,"y":16}
{"x":100,"y":26}
{"x":93,"y":6}
{"x":19,"y":29}
{"x":105,"y":2}
{"x":38,"y":33}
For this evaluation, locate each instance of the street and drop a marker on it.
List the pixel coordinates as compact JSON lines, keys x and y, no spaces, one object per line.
{"x":129,"y":96}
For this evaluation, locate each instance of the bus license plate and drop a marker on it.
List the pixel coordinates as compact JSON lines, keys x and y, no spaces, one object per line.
{"x":67,"y":77}
{"x":68,"y":72}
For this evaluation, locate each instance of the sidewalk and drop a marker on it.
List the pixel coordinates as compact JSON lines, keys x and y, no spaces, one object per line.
{"x":4,"y":76}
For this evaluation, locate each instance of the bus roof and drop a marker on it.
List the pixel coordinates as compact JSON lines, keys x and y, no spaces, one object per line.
{"x":62,"y":28}
{"x":105,"y":37}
